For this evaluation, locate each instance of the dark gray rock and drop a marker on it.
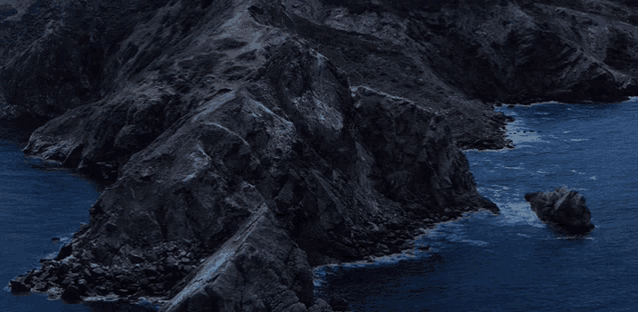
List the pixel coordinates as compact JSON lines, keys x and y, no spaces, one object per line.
{"x":285,"y":140}
{"x":562,"y":208}
{"x":272,"y":138}
{"x":18,"y":285}
{"x":7,"y":10}
{"x":338,"y":303}
{"x":259,"y":268}
{"x":72,"y":294}
{"x":65,"y":251}
{"x":497,"y":51}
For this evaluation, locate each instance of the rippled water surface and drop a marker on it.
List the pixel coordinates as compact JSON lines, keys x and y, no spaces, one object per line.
{"x":513,"y":262}
{"x":38,"y":201}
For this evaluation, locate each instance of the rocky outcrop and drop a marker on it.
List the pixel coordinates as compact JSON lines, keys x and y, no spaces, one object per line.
{"x":562,"y":208}
{"x":260,"y":268}
{"x":248,"y":139}
{"x":534,"y":51}
{"x":346,"y":173}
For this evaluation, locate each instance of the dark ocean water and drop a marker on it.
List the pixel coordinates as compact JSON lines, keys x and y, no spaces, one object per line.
{"x":38,"y":201}
{"x":509,"y":262}
{"x":513,"y":262}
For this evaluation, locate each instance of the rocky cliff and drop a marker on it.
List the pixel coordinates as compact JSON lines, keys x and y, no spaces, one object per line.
{"x":247,"y":141}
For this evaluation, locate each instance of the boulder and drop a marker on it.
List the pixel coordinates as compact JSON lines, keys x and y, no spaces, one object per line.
{"x":18,"y":286}
{"x":72,"y":294}
{"x":562,"y":208}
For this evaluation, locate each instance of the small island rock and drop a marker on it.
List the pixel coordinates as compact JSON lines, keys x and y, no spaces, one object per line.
{"x":562,"y":208}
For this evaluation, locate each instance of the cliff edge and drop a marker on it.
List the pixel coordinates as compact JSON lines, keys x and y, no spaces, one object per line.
{"x":246,"y":141}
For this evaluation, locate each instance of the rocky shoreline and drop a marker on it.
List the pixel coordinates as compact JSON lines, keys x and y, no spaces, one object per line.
{"x":245,"y":142}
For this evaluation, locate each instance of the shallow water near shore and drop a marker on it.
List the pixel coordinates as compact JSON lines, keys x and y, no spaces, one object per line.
{"x":482,"y":262}
{"x":38,"y":201}
{"x":514,"y":262}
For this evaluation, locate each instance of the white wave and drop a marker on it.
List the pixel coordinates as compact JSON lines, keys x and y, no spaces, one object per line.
{"x":517,"y":213}
{"x":632,"y":99}
{"x":592,"y":178}
{"x":578,"y":140}
{"x":451,"y":232}
{"x":475,"y":242}
{"x":502,"y":150}
{"x":320,"y":272}
{"x":50,"y":256}
{"x":391,"y":259}
{"x":575,"y":237}
{"x":529,"y":137}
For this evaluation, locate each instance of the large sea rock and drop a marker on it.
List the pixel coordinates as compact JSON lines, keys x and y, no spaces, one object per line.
{"x":563,"y":208}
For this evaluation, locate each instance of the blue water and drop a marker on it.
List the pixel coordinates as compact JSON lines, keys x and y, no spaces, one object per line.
{"x":38,"y":201}
{"x":514,"y":262}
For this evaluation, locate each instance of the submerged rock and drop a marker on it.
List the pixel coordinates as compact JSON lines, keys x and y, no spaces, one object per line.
{"x":562,"y":208}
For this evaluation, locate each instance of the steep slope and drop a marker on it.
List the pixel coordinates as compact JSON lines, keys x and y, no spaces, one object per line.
{"x":496,"y":51}
{"x":345,"y":175}
{"x":247,"y":140}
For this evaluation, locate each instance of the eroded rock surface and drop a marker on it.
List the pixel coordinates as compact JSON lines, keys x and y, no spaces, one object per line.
{"x":331,"y":127}
{"x":260,"y":268}
{"x":562,"y":208}
{"x":346,"y":173}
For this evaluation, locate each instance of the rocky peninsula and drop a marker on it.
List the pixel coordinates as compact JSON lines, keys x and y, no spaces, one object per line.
{"x":246,"y":141}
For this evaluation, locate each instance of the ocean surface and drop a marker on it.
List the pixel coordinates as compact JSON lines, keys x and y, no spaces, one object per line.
{"x":482,"y":262}
{"x":513,"y":261}
{"x":38,"y":201}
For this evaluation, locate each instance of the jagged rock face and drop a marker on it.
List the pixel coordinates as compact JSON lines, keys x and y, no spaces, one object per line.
{"x":327,"y":161}
{"x":157,"y":74}
{"x":562,"y":208}
{"x":523,"y":51}
{"x":330,"y":127}
{"x":58,"y":54}
{"x":247,"y":273}
{"x":505,"y":51}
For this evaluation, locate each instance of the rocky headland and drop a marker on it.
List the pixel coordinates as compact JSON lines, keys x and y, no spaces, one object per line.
{"x":246,"y":141}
